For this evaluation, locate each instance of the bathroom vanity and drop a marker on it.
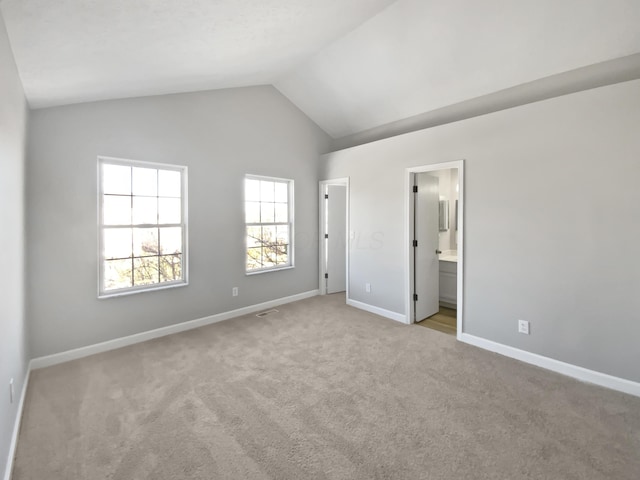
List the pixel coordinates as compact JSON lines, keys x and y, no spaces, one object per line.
{"x":448,"y":260}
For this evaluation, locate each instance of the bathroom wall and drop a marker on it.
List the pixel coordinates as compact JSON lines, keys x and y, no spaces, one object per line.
{"x":447,"y":189}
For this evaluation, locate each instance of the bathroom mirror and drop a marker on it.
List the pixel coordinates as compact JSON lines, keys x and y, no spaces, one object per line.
{"x":444,"y":215}
{"x":456,"y":215}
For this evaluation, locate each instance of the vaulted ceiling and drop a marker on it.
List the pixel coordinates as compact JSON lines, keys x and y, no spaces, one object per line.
{"x":350,"y":65}
{"x":71,"y":51}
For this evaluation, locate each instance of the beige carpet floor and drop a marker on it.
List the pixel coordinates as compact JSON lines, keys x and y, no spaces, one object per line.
{"x":320,"y":391}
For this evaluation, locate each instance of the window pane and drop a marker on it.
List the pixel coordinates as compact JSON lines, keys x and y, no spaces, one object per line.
{"x":269,"y":255}
{"x":267,"y":213}
{"x":116,"y":243}
{"x":251,"y":190}
{"x":169,"y":210}
{"x":145,"y":242}
{"x":282,"y":236}
{"x":252,"y":212}
{"x":253,"y":236}
{"x":170,"y":268}
{"x":135,"y":250}
{"x":171,"y":240}
{"x":281,"y":192}
{"x":267,"y":203}
{"x":269,"y":234}
{"x":145,"y":270}
{"x":117,"y":274}
{"x":116,"y":179}
{"x":282,"y":213}
{"x":283,"y":254}
{"x":145,"y":181}
{"x":116,"y":210}
{"x":145,"y":210}
{"x":254,"y":258}
{"x":169,"y":183}
{"x":266,"y":191}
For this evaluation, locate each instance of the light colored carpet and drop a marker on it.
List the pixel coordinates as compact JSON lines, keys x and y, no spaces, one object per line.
{"x":320,"y":391}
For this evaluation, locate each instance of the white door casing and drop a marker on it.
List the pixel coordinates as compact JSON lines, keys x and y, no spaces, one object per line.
{"x":410,"y":174}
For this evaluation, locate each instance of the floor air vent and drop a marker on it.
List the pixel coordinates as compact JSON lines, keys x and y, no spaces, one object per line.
{"x":266,"y":312}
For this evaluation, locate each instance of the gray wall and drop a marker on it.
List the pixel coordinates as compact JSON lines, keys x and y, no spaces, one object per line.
{"x":13,"y":331}
{"x":539,"y":215}
{"x":221,"y":136}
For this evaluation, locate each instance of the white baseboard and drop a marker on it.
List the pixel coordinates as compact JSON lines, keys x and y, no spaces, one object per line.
{"x":447,"y":304}
{"x":580,"y":373}
{"x":76,"y":353}
{"x":398,"y":317}
{"x":16,"y":426}
{"x":448,"y":299}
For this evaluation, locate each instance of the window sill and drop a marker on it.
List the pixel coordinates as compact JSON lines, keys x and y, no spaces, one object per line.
{"x":276,"y":269}
{"x":123,"y":293}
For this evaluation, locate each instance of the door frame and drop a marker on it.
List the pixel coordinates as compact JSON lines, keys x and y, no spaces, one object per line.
{"x":409,"y":251}
{"x":322,"y":218}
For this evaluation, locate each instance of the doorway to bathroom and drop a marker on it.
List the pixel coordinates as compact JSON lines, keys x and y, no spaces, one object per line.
{"x":434,"y":226}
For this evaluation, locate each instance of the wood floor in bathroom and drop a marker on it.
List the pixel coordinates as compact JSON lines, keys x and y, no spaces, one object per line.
{"x":443,"y":321}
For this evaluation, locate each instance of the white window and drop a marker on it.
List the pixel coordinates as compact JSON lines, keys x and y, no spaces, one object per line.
{"x":143,"y":226}
{"x":269,"y":223}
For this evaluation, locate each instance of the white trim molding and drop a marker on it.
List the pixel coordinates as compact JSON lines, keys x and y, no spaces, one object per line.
{"x":579,"y":373}
{"x":56,"y":358}
{"x":16,"y":426}
{"x":398,"y":317}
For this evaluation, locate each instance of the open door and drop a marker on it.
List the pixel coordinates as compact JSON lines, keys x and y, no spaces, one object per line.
{"x":426,"y":243}
{"x":336,"y":238}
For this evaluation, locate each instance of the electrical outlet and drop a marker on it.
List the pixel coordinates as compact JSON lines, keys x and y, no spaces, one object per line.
{"x":234,"y":291}
{"x":367,"y":287}
{"x":523,"y":327}
{"x":11,"y":393}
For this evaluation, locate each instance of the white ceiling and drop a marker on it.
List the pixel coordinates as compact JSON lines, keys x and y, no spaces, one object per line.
{"x":70,"y":51}
{"x":420,"y":55}
{"x":350,"y":65}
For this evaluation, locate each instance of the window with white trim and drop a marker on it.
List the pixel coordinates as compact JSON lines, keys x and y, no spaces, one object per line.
{"x":268,"y":223}
{"x":143,"y":226}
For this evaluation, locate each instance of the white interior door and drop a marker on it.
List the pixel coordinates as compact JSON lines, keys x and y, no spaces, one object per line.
{"x":426,"y":232}
{"x":336,"y":241}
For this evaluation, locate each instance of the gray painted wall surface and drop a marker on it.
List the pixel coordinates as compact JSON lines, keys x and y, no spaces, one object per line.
{"x":220,"y":136}
{"x":13,"y":330}
{"x":539,"y":215}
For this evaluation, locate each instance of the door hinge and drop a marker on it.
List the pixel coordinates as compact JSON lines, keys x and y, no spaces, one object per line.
{"x":415,"y":297}
{"x":326,"y":235}
{"x":415,"y":189}
{"x":415,"y":243}
{"x":326,"y":196}
{"x":326,"y":275}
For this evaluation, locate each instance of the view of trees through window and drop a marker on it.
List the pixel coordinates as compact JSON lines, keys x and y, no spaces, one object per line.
{"x":268,"y":223}
{"x":142,"y":229}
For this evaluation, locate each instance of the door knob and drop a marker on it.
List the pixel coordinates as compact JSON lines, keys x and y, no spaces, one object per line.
{"x":438,"y":252}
